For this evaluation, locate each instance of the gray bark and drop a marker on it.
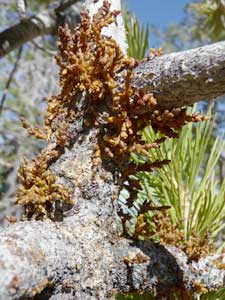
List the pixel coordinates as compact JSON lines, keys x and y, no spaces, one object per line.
{"x":183,"y":78}
{"x":44,"y":23}
{"x":82,"y":259}
{"x":176,"y":79}
{"x":83,"y":256}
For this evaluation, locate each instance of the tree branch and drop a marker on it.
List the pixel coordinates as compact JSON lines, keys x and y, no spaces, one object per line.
{"x":81,"y":260}
{"x":46,"y":22}
{"x":176,"y":79}
{"x":183,"y":78}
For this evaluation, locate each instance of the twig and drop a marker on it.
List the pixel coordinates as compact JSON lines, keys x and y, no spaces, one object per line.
{"x":64,"y":6}
{"x":9,"y":81}
{"x":47,"y":51}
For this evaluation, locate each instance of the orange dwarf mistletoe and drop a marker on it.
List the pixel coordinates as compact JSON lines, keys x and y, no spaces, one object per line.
{"x":92,"y":66}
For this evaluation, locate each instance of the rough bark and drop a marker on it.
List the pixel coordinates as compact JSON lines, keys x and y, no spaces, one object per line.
{"x":176,"y":79}
{"x":83,"y":255}
{"x":44,"y":23}
{"x":82,"y":262}
{"x":183,"y":78}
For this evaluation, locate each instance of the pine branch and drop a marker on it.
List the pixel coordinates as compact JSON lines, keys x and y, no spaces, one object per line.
{"x":183,"y":78}
{"x":44,"y":23}
{"x":81,"y":260}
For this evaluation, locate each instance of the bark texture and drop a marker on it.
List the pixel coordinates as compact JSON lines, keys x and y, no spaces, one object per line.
{"x":83,"y":255}
{"x":176,"y":79}
{"x":183,"y":78}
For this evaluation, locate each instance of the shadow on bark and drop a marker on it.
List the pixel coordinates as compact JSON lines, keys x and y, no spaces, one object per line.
{"x":163,"y":266}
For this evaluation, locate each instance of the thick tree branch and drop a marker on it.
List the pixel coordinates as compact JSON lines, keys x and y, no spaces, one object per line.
{"x":81,"y":260}
{"x":46,"y":22}
{"x":183,"y":78}
{"x":176,"y":79}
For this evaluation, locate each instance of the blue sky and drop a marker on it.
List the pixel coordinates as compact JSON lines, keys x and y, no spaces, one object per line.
{"x":157,"y":12}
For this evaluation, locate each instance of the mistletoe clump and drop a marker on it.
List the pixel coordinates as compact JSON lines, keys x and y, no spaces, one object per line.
{"x":171,"y":234}
{"x":39,"y":190}
{"x":92,"y":67}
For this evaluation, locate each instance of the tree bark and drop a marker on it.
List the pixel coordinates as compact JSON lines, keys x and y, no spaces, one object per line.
{"x":176,"y":79}
{"x":183,"y":78}
{"x":83,"y":255}
{"x":84,"y":262}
